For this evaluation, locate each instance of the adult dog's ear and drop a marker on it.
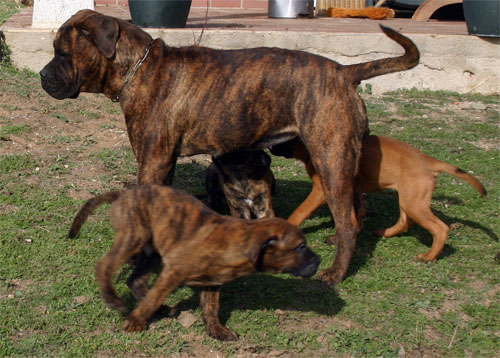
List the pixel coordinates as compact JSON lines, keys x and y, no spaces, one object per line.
{"x":262,"y":164}
{"x":264,"y":160}
{"x":104,"y":30}
{"x":220,"y":168}
{"x":259,"y":248}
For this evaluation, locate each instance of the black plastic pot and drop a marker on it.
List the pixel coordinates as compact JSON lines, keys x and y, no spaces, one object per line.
{"x":482,"y":17}
{"x":159,"y":13}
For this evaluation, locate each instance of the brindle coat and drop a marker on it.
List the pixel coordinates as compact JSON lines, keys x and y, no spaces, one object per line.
{"x":198,"y":247}
{"x":191,"y":100}
{"x":244,"y":181}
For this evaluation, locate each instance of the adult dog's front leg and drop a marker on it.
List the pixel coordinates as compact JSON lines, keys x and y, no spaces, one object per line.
{"x":157,"y":169}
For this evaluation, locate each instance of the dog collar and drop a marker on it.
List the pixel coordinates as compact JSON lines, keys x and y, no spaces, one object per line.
{"x":131,"y":73}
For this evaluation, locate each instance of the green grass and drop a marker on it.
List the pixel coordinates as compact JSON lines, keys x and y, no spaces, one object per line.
{"x":389,"y":305}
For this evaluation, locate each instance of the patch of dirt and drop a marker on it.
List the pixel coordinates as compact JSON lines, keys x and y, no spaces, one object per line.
{"x":70,"y":132}
{"x":486,"y":145}
{"x":15,"y":287}
{"x":50,"y":131}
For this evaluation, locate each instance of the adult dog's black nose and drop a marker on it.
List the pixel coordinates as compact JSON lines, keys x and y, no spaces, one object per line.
{"x":43,"y":73}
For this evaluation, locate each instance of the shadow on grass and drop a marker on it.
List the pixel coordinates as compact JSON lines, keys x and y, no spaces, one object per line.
{"x":262,"y":292}
{"x":259,"y":292}
{"x":450,"y":220}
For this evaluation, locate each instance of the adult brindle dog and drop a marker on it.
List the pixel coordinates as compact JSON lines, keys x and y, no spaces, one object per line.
{"x":192,"y":100}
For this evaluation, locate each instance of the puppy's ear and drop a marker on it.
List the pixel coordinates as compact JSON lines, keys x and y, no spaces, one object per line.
{"x":259,"y":248}
{"x":104,"y":30}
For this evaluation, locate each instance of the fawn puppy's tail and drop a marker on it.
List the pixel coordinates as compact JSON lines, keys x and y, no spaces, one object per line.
{"x":441,"y":166}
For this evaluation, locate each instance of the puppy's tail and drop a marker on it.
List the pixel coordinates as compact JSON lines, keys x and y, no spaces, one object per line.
{"x":366,"y":70}
{"x":440,"y":166}
{"x":88,"y":208}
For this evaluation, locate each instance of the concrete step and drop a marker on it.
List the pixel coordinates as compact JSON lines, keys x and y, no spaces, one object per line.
{"x":451,"y":59}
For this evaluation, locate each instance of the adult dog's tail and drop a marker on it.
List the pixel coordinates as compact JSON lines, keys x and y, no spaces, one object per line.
{"x":89,"y":207}
{"x":440,"y":166}
{"x":366,"y":70}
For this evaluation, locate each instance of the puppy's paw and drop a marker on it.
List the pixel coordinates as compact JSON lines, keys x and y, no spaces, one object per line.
{"x":425,"y":258}
{"x":133,"y":324}
{"x":222,"y":333}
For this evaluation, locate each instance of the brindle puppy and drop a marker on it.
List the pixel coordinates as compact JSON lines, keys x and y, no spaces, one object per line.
{"x":244,"y":181}
{"x":198,"y":247}
{"x":196,"y":100}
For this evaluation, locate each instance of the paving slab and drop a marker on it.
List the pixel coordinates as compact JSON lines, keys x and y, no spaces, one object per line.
{"x":450,"y":58}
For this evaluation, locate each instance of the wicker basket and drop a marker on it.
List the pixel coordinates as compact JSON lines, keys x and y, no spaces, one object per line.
{"x":323,"y":5}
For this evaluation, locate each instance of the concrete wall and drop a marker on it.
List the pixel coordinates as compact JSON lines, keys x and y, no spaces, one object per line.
{"x":465,"y":64}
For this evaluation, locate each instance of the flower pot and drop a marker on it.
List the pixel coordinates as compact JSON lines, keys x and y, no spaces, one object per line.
{"x":482,"y":17}
{"x":159,"y":13}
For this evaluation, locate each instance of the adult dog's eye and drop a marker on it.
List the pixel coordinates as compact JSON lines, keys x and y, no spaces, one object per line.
{"x":62,"y":56}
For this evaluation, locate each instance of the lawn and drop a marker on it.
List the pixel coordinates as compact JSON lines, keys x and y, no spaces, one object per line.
{"x":54,"y":155}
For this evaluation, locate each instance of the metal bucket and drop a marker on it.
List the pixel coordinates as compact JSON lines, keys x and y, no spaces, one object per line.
{"x":287,"y":8}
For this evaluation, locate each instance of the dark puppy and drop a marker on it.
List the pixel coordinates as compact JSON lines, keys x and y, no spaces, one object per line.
{"x":197,"y":100}
{"x":244,"y":181}
{"x":198,"y":247}
{"x":388,"y":163}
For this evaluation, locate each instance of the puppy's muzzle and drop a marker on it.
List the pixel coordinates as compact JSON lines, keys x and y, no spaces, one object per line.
{"x":310,"y":265}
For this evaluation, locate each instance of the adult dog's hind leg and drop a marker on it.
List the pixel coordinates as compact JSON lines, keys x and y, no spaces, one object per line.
{"x":335,"y":155}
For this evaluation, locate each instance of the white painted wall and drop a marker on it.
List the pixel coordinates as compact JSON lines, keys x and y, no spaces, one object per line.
{"x":49,"y":14}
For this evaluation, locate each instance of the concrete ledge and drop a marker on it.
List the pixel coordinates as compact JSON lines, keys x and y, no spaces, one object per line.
{"x":461,"y":63}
